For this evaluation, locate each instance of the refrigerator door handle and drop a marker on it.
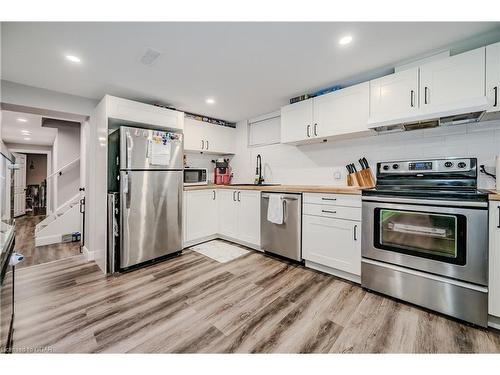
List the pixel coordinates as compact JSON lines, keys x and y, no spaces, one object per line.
{"x":126,"y":190}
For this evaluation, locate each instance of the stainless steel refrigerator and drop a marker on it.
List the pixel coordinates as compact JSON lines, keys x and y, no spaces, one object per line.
{"x":151,"y":181}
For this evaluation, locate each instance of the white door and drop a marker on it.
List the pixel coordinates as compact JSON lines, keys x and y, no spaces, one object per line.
{"x":493,"y":76}
{"x":395,"y":95}
{"x":201,"y":212}
{"x":228,"y":212}
{"x":342,"y":112}
{"x":297,"y":121}
{"x":452,"y":80}
{"x":332,"y":242}
{"x":194,"y":135}
{"x":249,"y":216}
{"x":220,"y":139}
{"x":20,"y":185}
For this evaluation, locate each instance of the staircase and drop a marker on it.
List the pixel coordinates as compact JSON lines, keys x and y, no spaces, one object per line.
{"x":65,"y":220}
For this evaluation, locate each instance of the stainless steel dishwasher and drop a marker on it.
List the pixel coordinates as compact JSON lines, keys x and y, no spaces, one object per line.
{"x":283,"y":239}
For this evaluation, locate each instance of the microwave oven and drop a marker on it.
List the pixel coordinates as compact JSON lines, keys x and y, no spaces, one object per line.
{"x":195,"y":176}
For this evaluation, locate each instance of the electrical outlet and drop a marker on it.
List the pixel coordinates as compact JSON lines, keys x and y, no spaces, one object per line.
{"x":337,"y":175}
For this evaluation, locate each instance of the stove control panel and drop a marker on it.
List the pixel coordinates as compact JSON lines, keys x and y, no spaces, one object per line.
{"x":426,"y":166}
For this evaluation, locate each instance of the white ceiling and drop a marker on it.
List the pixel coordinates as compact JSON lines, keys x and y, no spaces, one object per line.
{"x":249,"y":68}
{"x":12,"y":129}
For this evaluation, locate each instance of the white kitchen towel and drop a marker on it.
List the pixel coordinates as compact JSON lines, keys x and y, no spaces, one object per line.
{"x":275,"y":209}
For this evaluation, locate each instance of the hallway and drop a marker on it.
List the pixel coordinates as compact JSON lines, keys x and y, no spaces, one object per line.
{"x":25,"y":244}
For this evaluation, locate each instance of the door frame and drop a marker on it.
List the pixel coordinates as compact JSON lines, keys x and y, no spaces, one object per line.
{"x":20,"y":150}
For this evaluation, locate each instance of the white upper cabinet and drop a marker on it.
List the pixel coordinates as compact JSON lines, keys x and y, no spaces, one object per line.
{"x":210,"y":138}
{"x":341,"y":112}
{"x":338,"y":113}
{"x":297,"y":121}
{"x":452,"y":80}
{"x":394,"y":95}
{"x":129,"y":110}
{"x":493,"y":76}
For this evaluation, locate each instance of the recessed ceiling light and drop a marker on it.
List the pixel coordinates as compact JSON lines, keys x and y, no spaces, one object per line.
{"x":345,"y":40}
{"x":20,"y":119}
{"x":73,"y":58}
{"x":27,"y":138}
{"x":210,"y":101}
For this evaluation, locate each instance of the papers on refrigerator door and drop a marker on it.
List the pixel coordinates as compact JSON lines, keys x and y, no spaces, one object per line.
{"x":160,"y":153}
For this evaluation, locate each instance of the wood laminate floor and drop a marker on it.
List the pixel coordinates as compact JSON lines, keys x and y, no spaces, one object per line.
{"x":193,"y":304}
{"x":25,"y":244}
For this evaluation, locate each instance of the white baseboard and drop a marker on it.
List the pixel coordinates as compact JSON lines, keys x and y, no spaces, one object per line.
{"x":48,"y":240}
{"x":332,"y":271}
{"x":89,"y":255}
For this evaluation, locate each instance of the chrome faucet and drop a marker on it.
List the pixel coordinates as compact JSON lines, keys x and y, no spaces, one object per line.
{"x":258,"y":171}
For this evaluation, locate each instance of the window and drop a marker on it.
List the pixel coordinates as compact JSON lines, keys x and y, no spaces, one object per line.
{"x":264,"y":130}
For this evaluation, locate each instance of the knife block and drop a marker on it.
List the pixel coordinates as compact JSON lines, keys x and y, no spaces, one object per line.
{"x":363,"y":178}
{"x":352,"y":180}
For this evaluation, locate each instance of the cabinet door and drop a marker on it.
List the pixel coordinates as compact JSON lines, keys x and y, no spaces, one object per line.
{"x":342,"y":112}
{"x":452,"y":80}
{"x":228,"y":215}
{"x":194,"y":135}
{"x":220,"y":139}
{"x":332,"y":242}
{"x":493,"y":76}
{"x":249,"y":216}
{"x":201,"y":212}
{"x":395,"y":95}
{"x":297,"y":121}
{"x":494,"y":260}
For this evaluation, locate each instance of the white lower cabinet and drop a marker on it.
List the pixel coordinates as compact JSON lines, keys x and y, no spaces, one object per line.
{"x":232,"y":214}
{"x":331,"y":235}
{"x":494,"y":262}
{"x":200,"y":215}
{"x":333,"y":243}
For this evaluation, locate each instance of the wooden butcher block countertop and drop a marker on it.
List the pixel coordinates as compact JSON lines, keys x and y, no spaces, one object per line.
{"x":284,"y":188}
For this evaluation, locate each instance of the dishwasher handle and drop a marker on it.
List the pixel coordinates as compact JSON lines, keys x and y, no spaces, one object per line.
{"x":266,"y":196}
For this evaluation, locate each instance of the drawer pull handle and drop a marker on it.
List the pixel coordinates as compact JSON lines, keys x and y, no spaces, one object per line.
{"x":498,"y":226}
{"x":329,"y":199}
{"x":329,"y":212}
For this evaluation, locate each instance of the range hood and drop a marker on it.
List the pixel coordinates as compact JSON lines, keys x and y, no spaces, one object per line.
{"x":471,"y":110}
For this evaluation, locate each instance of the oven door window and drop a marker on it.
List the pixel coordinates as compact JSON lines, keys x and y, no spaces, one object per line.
{"x":423,"y":234}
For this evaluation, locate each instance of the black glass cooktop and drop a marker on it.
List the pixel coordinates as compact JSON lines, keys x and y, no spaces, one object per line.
{"x":468,"y":194}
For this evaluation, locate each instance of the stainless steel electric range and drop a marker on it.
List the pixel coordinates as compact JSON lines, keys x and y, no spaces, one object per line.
{"x":425,"y":236}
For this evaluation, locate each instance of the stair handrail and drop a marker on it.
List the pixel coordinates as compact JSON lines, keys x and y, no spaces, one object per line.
{"x":59,"y":171}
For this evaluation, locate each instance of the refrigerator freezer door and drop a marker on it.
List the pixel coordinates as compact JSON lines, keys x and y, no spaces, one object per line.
{"x":150,"y":149}
{"x":151,"y":223}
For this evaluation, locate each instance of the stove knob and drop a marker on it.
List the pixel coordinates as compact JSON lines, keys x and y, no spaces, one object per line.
{"x":385,"y":167}
{"x":448,"y":164}
{"x":395,"y":166}
{"x":461,"y":165}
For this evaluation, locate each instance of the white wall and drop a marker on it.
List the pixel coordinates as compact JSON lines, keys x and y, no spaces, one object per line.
{"x":67,"y":149}
{"x":316,"y":164}
{"x":28,"y":96}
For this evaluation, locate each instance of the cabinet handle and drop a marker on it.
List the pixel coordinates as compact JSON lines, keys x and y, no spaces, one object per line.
{"x":234,"y":195}
{"x":316,"y":130}
{"x":355,"y":232}
{"x":329,"y":212}
{"x":426,"y":89}
{"x":495,"y":89}
{"x":412,"y":94}
{"x":329,"y":199}
{"x":207,"y":144}
{"x":308,"y":131}
{"x":239,"y":196}
{"x":498,"y":226}
{"x":213,"y":191}
{"x":202,"y":144}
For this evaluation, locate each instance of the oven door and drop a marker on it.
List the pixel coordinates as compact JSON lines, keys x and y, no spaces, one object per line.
{"x":441,"y":239}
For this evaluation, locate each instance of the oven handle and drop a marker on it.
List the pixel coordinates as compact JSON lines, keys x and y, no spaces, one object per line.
{"x":428,"y":202}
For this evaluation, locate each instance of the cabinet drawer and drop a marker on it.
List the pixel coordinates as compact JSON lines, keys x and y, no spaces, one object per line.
{"x":339,"y":212}
{"x":348,"y":200}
